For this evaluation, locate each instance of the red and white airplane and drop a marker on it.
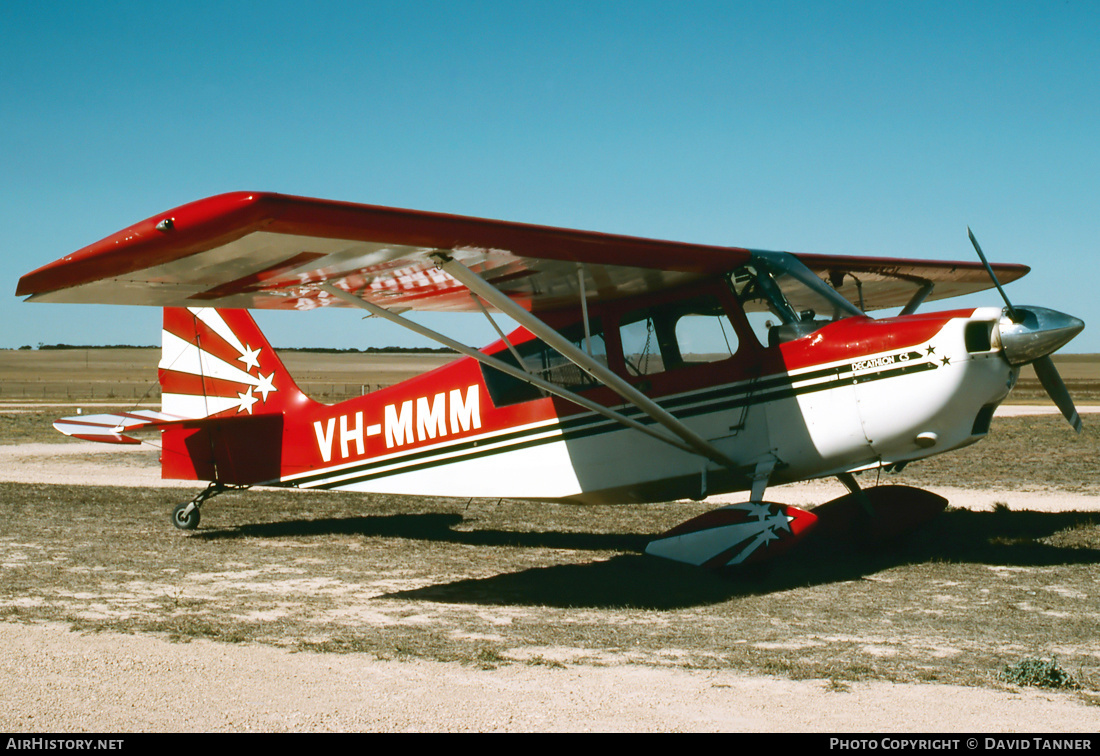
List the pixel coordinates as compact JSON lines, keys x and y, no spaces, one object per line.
{"x":642,"y":370}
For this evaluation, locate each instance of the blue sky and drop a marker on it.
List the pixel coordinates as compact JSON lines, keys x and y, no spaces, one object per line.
{"x":880,"y":128}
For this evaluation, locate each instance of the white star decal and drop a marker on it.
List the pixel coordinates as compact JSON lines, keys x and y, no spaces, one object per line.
{"x":250,"y":357}
{"x":247,"y":400}
{"x":780,"y":522}
{"x":767,"y":536}
{"x":761,"y":511}
{"x":266,"y":384}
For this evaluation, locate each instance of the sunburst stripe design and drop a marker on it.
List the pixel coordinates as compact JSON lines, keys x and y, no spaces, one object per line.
{"x":192,"y":406}
{"x":217,"y":324}
{"x":199,"y":331}
{"x":184,"y":357}
{"x":198,"y":378}
{"x":172,"y":382}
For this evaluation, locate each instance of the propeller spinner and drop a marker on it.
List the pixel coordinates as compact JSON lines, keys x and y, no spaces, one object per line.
{"x":1029,"y":335}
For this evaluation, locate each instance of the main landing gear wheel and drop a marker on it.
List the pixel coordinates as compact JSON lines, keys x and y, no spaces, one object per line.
{"x":876,"y":516}
{"x":186,"y":516}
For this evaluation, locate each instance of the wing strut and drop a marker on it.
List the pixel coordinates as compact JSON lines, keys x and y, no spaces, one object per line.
{"x":502,"y":302}
{"x":500,"y":333}
{"x":918,"y":298}
{"x":503,"y":367}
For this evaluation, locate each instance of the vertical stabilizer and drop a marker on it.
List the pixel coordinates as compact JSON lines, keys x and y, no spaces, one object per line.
{"x":216,"y":363}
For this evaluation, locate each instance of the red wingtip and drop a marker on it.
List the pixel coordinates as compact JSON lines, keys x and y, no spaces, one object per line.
{"x":143,"y":244}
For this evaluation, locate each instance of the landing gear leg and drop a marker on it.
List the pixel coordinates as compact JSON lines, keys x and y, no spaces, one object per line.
{"x":186,"y":516}
{"x":850,"y":483}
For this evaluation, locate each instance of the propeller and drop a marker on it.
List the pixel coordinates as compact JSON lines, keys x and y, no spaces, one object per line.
{"x":1031,"y":335}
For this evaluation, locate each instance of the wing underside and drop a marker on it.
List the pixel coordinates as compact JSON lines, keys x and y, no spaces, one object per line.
{"x":269,"y":251}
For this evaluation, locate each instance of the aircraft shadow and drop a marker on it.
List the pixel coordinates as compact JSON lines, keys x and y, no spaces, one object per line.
{"x":434,"y":527}
{"x":632,"y":579}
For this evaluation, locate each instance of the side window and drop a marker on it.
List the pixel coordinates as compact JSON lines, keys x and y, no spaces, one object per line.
{"x":542,"y":360}
{"x":641,"y":352}
{"x":545,"y":361}
{"x":705,"y":338}
{"x":675,"y":335}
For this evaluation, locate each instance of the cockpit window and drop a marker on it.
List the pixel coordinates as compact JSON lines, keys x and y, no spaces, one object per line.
{"x":785,"y":300}
{"x":675,"y":335}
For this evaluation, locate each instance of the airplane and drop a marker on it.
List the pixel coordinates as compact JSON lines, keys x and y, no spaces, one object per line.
{"x":641,"y":370}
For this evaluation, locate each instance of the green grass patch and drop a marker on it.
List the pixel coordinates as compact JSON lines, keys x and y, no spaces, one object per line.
{"x":1039,"y":673}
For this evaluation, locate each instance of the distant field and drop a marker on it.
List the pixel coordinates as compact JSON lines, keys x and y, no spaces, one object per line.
{"x":131,"y":374}
{"x":1081,"y":372}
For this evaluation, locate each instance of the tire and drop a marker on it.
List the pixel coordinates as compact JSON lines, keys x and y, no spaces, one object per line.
{"x":188,"y":522}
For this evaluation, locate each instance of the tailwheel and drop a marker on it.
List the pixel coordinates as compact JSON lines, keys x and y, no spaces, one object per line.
{"x":186,"y":516}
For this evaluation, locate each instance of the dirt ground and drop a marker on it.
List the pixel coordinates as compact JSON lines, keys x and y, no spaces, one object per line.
{"x":55,"y":680}
{"x":58,"y":681}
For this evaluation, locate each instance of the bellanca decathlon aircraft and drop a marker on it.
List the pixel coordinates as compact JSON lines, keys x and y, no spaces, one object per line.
{"x":641,"y":370}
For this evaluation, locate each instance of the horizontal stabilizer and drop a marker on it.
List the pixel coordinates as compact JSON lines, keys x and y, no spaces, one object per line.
{"x":112,"y":428}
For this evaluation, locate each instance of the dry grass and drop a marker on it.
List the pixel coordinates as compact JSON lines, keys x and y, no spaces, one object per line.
{"x":489,"y":583}
{"x":498,"y":582}
{"x":1020,"y":453}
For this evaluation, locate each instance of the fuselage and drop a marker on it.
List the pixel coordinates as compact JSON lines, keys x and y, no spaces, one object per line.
{"x":854,"y":394}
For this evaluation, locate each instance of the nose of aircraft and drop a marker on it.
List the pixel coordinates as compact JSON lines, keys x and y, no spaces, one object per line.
{"x":1030,"y":335}
{"x":1036,"y":332}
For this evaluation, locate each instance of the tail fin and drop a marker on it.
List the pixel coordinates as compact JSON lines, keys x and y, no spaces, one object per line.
{"x":219,"y":371}
{"x":217,"y":363}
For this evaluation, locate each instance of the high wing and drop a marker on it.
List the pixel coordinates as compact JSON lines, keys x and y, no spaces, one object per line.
{"x":272,"y":251}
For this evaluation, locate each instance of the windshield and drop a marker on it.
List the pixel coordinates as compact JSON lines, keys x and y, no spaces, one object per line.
{"x":784,"y":299}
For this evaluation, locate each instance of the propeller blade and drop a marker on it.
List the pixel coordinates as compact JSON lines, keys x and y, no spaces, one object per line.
{"x":1016,"y":317}
{"x":1056,"y":389}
